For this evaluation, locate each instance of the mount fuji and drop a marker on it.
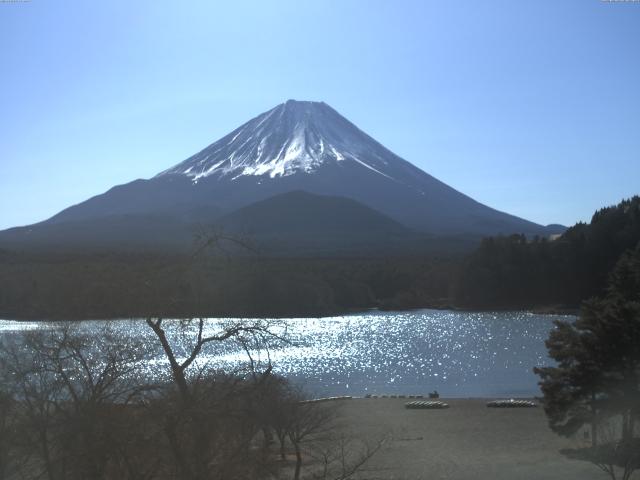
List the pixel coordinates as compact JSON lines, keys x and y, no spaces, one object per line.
{"x":298,"y":146}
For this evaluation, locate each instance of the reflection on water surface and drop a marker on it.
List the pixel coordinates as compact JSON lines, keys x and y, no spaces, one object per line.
{"x":460,"y":354}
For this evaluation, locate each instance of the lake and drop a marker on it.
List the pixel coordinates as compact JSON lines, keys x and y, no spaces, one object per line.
{"x":460,"y":354}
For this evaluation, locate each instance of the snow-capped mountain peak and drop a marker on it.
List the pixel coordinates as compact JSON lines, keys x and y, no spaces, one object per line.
{"x":294,"y":137}
{"x":299,"y":147}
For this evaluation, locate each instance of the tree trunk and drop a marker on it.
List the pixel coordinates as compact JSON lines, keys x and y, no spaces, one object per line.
{"x":177,"y":371}
{"x":594,"y":422}
{"x":296,"y":475}
{"x":268,"y":436}
{"x":628,"y":426}
{"x":174,"y":445}
{"x":44,"y":441}
{"x":282,"y":455}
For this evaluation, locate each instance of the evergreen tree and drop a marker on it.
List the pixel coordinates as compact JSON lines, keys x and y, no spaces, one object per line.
{"x":596,"y":380}
{"x":515,"y":272}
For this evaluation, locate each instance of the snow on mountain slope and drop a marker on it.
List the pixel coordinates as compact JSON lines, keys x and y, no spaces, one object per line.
{"x":294,"y":137}
{"x":300,"y":146}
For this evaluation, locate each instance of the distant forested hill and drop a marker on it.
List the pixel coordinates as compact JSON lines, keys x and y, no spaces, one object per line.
{"x":514,"y":272}
{"x":119,"y":285}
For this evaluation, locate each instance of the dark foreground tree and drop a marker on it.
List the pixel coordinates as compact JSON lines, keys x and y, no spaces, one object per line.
{"x":596,"y":381}
{"x":77,"y":404}
{"x":210,"y":418}
{"x":65,"y":392}
{"x":7,"y":434}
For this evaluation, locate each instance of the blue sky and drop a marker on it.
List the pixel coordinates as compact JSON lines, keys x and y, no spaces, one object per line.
{"x":531,"y":107}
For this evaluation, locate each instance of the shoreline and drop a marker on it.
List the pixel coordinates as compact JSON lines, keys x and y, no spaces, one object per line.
{"x":342,"y":313}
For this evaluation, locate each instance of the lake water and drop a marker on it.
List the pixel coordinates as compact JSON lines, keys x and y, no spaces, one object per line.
{"x":460,"y":354}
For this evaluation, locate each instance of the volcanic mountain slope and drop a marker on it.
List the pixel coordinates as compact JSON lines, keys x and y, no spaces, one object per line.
{"x":296,"y":146}
{"x":300,"y":222}
{"x":292,"y":223}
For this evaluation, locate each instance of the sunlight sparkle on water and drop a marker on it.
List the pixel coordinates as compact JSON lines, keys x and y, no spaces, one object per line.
{"x":458,"y":353}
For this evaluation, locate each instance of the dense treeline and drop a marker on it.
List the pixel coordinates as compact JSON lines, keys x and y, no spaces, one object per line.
{"x":40,"y":286}
{"x":516,"y":272}
{"x":513,"y":272}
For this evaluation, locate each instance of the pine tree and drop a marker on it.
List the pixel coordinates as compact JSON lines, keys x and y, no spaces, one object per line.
{"x":596,"y":380}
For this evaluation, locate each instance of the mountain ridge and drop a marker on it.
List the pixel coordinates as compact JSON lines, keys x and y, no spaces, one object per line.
{"x":299,"y":146}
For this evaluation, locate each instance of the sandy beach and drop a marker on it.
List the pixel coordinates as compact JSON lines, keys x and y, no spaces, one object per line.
{"x":466,"y":441}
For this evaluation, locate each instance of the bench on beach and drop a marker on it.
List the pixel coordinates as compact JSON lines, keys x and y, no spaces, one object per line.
{"x":431,"y":405}
{"x":511,"y":403}
{"x":326,"y":399}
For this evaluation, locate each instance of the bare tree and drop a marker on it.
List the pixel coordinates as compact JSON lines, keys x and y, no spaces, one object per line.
{"x":8,"y":434}
{"x":308,"y":421}
{"x":343,"y":457}
{"x":615,"y":457}
{"x":68,"y":387}
{"x":74,"y":406}
{"x":229,"y":331}
{"x":211,"y":421}
{"x":317,"y":435}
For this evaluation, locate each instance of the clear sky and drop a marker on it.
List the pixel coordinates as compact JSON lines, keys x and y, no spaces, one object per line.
{"x":531,"y":107}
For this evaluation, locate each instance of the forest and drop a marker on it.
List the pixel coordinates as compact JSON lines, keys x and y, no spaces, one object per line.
{"x":516,"y":272}
{"x":508,"y":272}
